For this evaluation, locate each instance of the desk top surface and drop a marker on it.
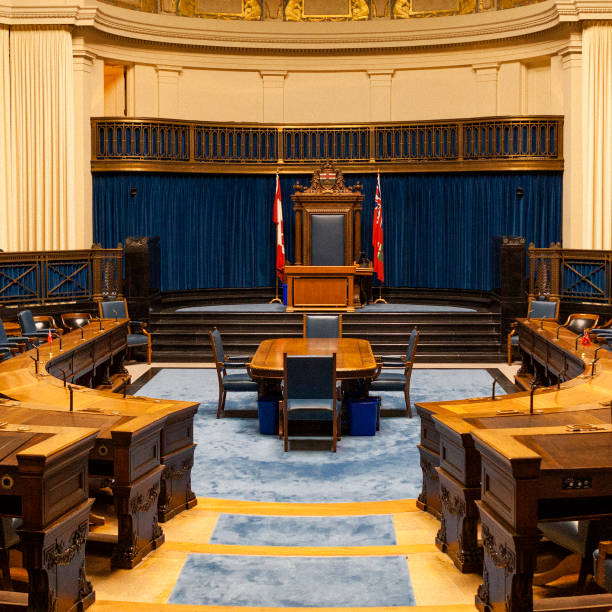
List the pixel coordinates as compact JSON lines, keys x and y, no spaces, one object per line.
{"x":354,"y":357}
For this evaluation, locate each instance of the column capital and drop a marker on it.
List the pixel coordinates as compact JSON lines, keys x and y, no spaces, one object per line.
{"x":381,"y":76}
{"x":571,"y":54}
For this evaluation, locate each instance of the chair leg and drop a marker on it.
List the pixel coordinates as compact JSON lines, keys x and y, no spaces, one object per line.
{"x":221,"y":407}
{"x":149,"y":352}
{"x":509,"y":349}
{"x":407,"y":399}
{"x":286,"y":430}
{"x":334,"y":434}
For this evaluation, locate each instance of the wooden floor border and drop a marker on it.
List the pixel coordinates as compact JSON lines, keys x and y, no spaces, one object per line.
{"x":229,"y":506}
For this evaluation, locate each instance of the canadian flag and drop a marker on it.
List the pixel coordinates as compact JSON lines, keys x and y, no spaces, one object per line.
{"x":280,"y":239}
{"x":377,"y":235}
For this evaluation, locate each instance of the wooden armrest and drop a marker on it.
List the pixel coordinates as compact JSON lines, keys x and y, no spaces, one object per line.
{"x":605,"y":551}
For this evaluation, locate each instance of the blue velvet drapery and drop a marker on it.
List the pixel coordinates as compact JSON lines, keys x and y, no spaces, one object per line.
{"x":217,"y":231}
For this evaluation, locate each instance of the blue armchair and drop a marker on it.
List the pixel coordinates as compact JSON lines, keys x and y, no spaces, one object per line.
{"x":547,"y":310}
{"x":138,"y":335}
{"x":30,"y":330}
{"x":322,"y":326}
{"x":14,"y":343}
{"x":239,"y":382}
{"x":309,"y":392}
{"x":398,"y":381}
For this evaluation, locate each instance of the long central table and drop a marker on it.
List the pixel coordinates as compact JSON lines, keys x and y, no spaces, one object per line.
{"x":354,"y":357}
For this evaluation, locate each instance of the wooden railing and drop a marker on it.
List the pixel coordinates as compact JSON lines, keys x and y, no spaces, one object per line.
{"x":42,"y":277}
{"x":465,"y":144}
{"x":571,"y":274}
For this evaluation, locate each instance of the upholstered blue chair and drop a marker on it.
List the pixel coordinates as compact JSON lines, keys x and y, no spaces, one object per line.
{"x":309,"y":392}
{"x":14,"y":343}
{"x":398,"y":381}
{"x":29,"y":329}
{"x":138,"y":335}
{"x":547,"y":310}
{"x":322,"y":326}
{"x":603,"y":565}
{"x":580,"y":537}
{"x":240,"y":382}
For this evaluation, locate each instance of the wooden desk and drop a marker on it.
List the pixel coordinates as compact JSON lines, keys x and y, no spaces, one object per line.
{"x":145,"y":453}
{"x":324,"y":287}
{"x":354,"y":357}
{"x":531,"y":475}
{"x":44,"y":480}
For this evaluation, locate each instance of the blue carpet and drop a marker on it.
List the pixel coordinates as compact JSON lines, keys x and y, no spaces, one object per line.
{"x":249,"y":530}
{"x":234,"y":461}
{"x":294,"y":581}
{"x":368,"y":308}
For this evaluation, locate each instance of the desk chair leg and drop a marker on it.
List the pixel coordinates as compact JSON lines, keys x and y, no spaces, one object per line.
{"x":221,"y":406}
{"x":509,"y":348}
{"x":286,"y":430}
{"x":149,"y":353}
{"x":335,"y":434}
{"x":407,"y":400}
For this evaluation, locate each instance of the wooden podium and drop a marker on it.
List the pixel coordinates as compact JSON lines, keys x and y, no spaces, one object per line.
{"x":327,"y":244}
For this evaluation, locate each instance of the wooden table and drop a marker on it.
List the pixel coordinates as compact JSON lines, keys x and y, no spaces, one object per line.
{"x":43,"y":479}
{"x":145,"y":448}
{"x":532,"y":475}
{"x":354,"y":357}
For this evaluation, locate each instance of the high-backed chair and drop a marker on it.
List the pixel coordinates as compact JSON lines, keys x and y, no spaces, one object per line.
{"x":240,"y":381}
{"x":309,"y":392}
{"x":603,"y":565}
{"x":547,"y":310}
{"x":322,"y":326}
{"x":29,"y":329}
{"x":75,"y":320}
{"x":46,"y":323}
{"x":138,"y":336}
{"x":580,"y":537}
{"x":14,"y":344}
{"x":398,"y":381}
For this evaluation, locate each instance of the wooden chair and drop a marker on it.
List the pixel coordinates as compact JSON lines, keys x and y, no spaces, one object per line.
{"x":46,"y":323}
{"x":138,"y":336}
{"x":579,"y":322}
{"x":240,"y":382}
{"x":603,"y":565}
{"x":547,"y":310}
{"x":398,"y":381}
{"x":75,"y":320}
{"x":322,"y":326}
{"x":309,"y":392}
{"x":29,"y":329}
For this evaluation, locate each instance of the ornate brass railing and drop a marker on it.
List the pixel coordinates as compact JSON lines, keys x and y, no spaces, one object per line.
{"x":571,"y":274}
{"x":41,"y":277}
{"x":466,"y":144}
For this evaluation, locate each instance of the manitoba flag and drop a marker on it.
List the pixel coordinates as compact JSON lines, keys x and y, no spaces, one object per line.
{"x":377,"y":236}
{"x":280,"y":239}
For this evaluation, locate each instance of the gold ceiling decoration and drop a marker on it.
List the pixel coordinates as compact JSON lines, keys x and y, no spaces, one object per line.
{"x":317,"y":10}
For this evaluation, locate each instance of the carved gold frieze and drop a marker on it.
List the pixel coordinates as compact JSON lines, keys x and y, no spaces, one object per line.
{"x":327,"y":10}
{"x":248,"y":10}
{"x":408,"y":9}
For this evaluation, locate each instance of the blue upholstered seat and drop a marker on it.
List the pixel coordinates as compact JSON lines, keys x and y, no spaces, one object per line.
{"x":238,"y":381}
{"x":14,"y":342}
{"x":138,"y":335}
{"x":398,"y":381}
{"x":538,"y":309}
{"x":28,"y":326}
{"x":309,"y":392}
{"x":322,"y":326}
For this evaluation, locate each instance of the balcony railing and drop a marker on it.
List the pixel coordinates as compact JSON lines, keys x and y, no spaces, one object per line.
{"x":42,"y":277}
{"x":466,"y":144}
{"x":571,"y":274}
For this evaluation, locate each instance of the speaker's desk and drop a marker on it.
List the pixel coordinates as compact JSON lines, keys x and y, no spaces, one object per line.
{"x":334,"y":288}
{"x":43,"y":479}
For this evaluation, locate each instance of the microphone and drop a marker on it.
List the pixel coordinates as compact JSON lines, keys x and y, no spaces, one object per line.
{"x":71,"y":390}
{"x":35,"y":363}
{"x":82,"y":333}
{"x":116,"y":315}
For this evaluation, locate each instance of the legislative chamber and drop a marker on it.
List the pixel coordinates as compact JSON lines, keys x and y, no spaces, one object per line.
{"x":305,"y":304}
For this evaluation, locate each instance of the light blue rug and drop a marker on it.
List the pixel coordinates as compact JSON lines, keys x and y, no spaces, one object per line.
{"x":294,"y":581}
{"x":369,"y":308}
{"x":246,"y":530}
{"x":234,"y":461}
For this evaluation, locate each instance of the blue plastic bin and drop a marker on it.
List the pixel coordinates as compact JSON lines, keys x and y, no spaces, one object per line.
{"x":284,"y":294}
{"x":362,"y":415}
{"x":267,"y":411}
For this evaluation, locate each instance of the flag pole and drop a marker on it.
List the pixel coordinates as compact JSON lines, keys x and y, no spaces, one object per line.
{"x":380,"y":299}
{"x":276,"y":299}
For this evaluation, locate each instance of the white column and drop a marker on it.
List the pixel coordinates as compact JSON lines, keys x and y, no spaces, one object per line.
{"x":273,"y":82}
{"x":83,"y":63}
{"x":8,"y":226}
{"x":380,"y":94}
{"x":168,"y":95}
{"x":486,"y":84}
{"x":574,"y":226}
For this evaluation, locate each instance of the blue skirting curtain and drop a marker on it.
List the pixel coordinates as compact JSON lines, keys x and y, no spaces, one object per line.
{"x":217,"y":230}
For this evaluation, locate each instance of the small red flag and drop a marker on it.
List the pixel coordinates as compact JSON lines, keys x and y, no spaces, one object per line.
{"x":585,"y":340}
{"x":377,"y":236}
{"x":280,"y":238}
{"x":49,"y":337}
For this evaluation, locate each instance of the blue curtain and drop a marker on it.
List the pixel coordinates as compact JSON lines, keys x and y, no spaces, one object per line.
{"x":217,"y":230}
